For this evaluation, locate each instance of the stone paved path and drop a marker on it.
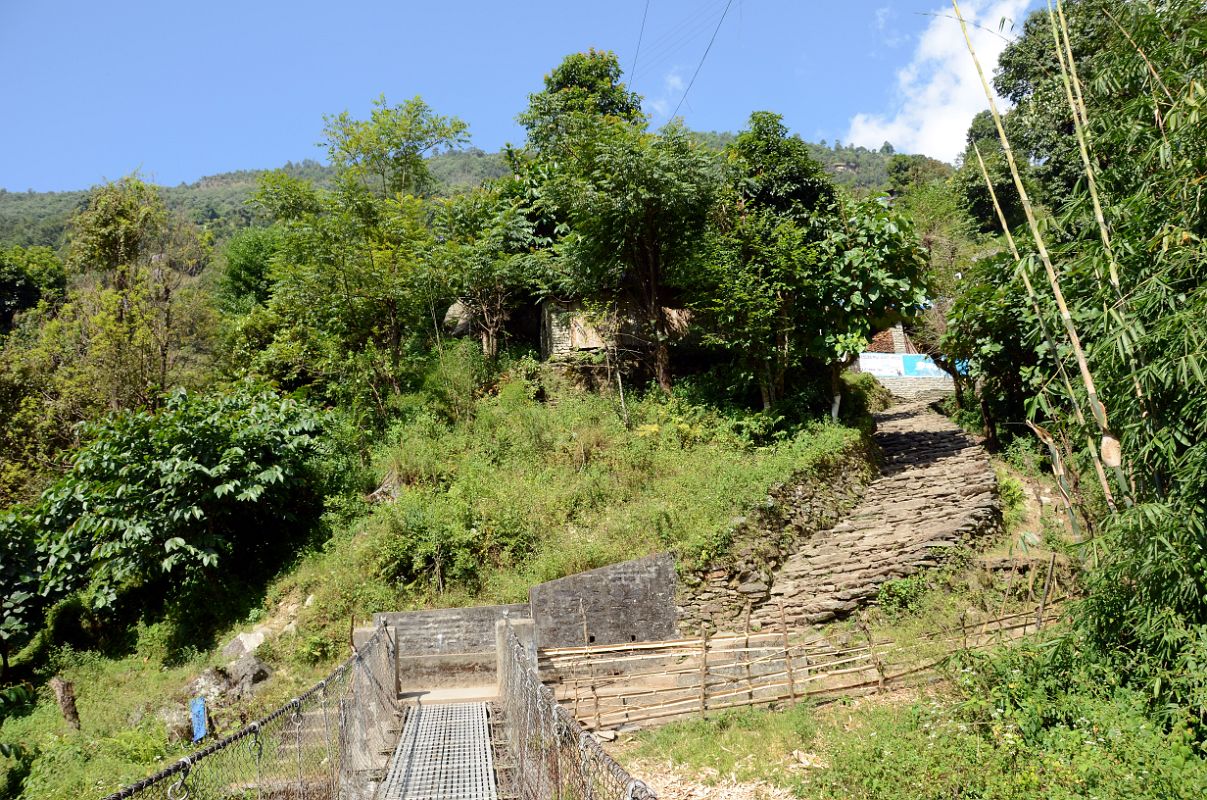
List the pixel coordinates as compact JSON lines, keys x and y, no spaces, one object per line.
{"x":936,"y":490}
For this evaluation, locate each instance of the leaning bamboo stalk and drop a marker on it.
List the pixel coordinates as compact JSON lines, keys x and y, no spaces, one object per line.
{"x":1081,"y":123}
{"x":1097,"y":408}
{"x":1076,"y":103}
{"x":1033,"y":296}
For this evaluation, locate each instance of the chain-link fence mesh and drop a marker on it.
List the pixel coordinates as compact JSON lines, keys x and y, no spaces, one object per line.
{"x":333,"y":741}
{"x":551,"y":756}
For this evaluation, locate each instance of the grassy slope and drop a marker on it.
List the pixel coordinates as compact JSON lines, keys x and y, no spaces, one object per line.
{"x":534,"y":480}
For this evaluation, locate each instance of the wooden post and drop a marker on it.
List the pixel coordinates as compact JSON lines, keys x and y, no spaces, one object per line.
{"x":872,"y":653}
{"x":787,"y":654}
{"x":746,"y":658}
{"x":64,"y":693}
{"x":1043,"y":602}
{"x":704,"y":673}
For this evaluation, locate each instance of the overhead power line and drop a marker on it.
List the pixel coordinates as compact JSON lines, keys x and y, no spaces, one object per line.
{"x":679,"y":35}
{"x":637,"y":52}
{"x":692,"y":82}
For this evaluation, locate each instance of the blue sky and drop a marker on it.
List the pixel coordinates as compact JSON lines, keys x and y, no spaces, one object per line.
{"x":177,"y":90}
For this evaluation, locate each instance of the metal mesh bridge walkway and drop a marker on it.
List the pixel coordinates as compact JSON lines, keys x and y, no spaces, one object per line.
{"x":443,"y":754}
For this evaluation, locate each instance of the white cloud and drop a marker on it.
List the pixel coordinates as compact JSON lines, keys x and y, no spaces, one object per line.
{"x":672,"y":91}
{"x":938,"y":91}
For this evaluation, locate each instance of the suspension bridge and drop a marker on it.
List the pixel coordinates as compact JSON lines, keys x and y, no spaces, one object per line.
{"x":354,"y":736}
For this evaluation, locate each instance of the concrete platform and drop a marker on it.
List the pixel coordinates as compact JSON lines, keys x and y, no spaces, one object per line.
{"x":451,"y":694}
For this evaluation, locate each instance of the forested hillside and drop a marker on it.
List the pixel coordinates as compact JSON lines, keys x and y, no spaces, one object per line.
{"x":219,"y":203}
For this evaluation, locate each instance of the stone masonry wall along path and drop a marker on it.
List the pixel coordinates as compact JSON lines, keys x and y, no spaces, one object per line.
{"x":936,"y":491}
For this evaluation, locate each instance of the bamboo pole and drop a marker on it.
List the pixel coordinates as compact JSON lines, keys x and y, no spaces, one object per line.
{"x":704,"y":674}
{"x":1097,"y":408}
{"x":1033,"y":296}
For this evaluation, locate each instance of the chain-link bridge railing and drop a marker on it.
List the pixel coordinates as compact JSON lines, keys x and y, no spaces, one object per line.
{"x":552,"y":757}
{"x":333,"y":741}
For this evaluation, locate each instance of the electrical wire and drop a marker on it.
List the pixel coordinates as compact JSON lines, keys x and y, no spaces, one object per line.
{"x":702,"y":58}
{"x":679,"y":36}
{"x":640,"y":34}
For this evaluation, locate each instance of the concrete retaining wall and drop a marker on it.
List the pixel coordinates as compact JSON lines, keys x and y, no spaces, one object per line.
{"x":918,"y":388}
{"x":447,"y":631}
{"x":629,"y":602}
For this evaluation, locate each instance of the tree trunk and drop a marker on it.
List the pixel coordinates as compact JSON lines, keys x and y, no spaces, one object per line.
{"x":990,"y":427}
{"x":657,"y":316}
{"x":765,"y":391}
{"x":835,"y":390}
{"x":64,"y":693}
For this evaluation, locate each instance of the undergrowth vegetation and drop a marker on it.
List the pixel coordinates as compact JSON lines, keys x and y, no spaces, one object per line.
{"x":961,"y":743}
{"x":535,"y":479}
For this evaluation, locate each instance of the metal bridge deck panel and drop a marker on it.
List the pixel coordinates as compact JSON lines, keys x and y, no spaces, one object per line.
{"x":443,"y":754}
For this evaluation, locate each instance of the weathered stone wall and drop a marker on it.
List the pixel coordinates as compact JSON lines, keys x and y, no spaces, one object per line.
{"x":628,"y":602}
{"x":448,"y":631}
{"x":911,"y":389}
{"x":719,"y":595}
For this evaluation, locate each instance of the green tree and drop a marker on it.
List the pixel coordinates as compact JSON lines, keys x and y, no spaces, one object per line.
{"x":389,"y":151}
{"x":135,"y":323}
{"x":247,"y":262}
{"x":490,"y":258}
{"x":28,"y":275}
{"x":353,"y":295}
{"x":908,"y":171}
{"x":121,"y":226}
{"x":583,"y":87}
{"x":969,"y":185}
{"x":874,"y":275}
{"x":763,"y":249}
{"x":636,"y":204}
{"x":209,"y":489}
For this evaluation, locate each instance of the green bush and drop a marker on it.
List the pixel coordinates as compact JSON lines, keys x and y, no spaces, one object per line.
{"x":1013,"y":497}
{"x":902,"y":595}
{"x":195,"y":502}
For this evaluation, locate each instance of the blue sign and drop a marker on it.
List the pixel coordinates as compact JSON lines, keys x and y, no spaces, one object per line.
{"x":197,"y":712}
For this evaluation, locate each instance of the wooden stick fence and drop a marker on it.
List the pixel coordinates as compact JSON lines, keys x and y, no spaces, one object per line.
{"x":609,"y":686}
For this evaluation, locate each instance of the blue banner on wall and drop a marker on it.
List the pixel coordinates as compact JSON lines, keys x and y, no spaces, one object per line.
{"x":899,"y":365}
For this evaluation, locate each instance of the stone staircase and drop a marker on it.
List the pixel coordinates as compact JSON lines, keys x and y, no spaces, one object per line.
{"x":936,"y":491}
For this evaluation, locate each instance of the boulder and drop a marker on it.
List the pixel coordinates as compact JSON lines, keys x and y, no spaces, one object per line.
{"x":179,"y":724}
{"x":458,"y":319}
{"x":212,"y":684}
{"x":248,"y":672}
{"x":242,"y":644}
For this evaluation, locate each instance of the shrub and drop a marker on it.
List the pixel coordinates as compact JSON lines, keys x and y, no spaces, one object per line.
{"x":209,"y":492}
